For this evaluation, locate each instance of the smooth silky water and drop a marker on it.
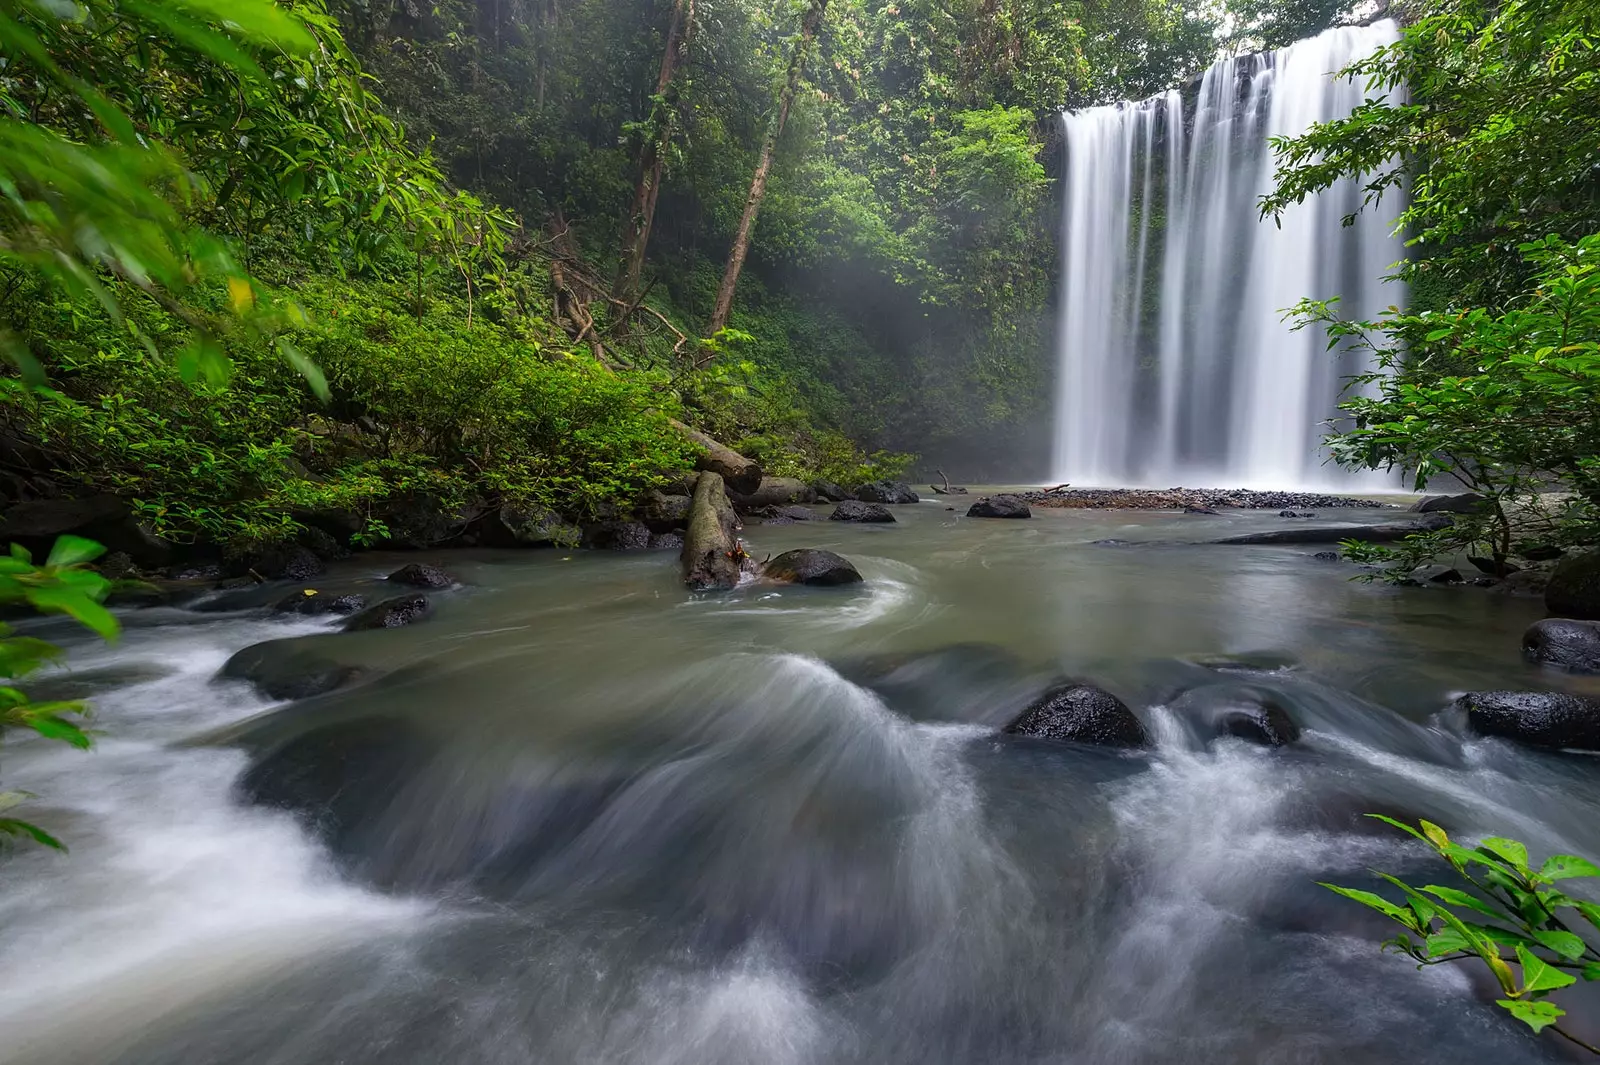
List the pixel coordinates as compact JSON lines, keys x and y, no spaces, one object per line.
{"x":580,"y":816}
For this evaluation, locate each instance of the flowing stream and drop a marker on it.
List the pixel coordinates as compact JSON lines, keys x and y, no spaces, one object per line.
{"x":1175,"y":363}
{"x":579,"y":816}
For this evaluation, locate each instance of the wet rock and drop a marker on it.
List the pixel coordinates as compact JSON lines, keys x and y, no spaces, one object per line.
{"x":617,"y":536}
{"x":664,"y":513}
{"x":517,"y":526}
{"x":887,"y":492}
{"x":829,"y":492}
{"x":283,"y":562}
{"x":1491,"y":567}
{"x":811,"y":566}
{"x":1001,"y":506}
{"x":669,"y":541}
{"x":104,"y":519}
{"x":1465,"y":503}
{"x":1379,"y":534}
{"x":312,"y":603}
{"x":851,"y":510}
{"x":790,"y":514}
{"x":1200,"y":510}
{"x":391,"y":613}
{"x":1564,"y":644}
{"x":418,"y":522}
{"x":1326,"y":556}
{"x":1296,"y":514}
{"x":284,"y":669}
{"x":421,"y":575}
{"x":1246,"y":713}
{"x":1436,"y":574}
{"x":208,"y":571}
{"x":1542,"y":719}
{"x":1574,"y":587}
{"x":322,"y":544}
{"x":1080,"y":713}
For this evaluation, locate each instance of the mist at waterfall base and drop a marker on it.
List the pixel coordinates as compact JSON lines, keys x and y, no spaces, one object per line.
{"x":579,"y":817}
{"x":1175,"y":363}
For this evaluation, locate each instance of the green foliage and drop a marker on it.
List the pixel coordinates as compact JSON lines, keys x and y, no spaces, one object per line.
{"x":1504,"y":401}
{"x":63,"y":585}
{"x":1496,"y":143}
{"x":1532,"y":923}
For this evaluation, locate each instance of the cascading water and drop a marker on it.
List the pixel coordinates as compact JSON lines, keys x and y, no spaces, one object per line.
{"x":1175,"y":363}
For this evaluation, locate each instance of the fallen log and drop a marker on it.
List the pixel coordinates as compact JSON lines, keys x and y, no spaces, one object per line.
{"x":738,"y":473}
{"x":712,"y":556}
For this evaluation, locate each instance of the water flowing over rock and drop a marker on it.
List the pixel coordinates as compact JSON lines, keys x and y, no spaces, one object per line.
{"x":1232,"y":395}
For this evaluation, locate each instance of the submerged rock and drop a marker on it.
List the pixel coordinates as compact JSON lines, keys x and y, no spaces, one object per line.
{"x":1245,"y":713}
{"x":1543,"y":719}
{"x":1574,"y":587}
{"x":851,"y":510}
{"x":391,"y":613}
{"x":1001,"y":506}
{"x":1080,"y":713}
{"x":421,"y":575}
{"x":811,"y":566}
{"x":1564,"y":643}
{"x":887,"y":492}
{"x":284,"y":669}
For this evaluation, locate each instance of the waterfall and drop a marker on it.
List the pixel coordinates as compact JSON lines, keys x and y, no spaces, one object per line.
{"x":1175,"y":363}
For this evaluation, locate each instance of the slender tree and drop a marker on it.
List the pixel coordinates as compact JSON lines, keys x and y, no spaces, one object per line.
{"x":809,"y":24}
{"x":653,"y":148}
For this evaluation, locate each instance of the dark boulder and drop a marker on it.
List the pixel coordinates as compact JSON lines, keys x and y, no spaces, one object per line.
{"x":391,"y":613}
{"x":517,"y":526}
{"x":887,"y":492}
{"x":285,"y":669}
{"x":421,"y":575}
{"x":290,"y":562}
{"x":851,"y":510}
{"x":789,"y":514}
{"x":617,"y":535}
{"x":1564,"y":643}
{"x":667,"y":541}
{"x":1080,"y":713}
{"x":312,"y":603}
{"x":829,"y":492}
{"x":810,"y":566}
{"x":1326,"y":556}
{"x":1436,"y":573}
{"x":418,"y":522}
{"x":1525,"y":582}
{"x":1574,"y":588}
{"x":1001,"y":506}
{"x":1492,"y":567}
{"x":322,"y":543}
{"x":104,"y":519}
{"x":1465,"y":503}
{"x":664,"y":513}
{"x":1543,"y":719}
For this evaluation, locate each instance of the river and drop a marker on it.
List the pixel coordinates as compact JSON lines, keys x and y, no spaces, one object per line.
{"x":580,"y":816}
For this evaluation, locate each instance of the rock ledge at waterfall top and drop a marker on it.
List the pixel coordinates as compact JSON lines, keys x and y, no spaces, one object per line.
{"x":1179,"y":498}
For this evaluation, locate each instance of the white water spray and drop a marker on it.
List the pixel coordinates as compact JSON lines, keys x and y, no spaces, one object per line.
{"x":1175,"y":363}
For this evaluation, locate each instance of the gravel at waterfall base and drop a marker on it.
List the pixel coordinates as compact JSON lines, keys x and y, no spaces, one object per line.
{"x":1178,"y":498}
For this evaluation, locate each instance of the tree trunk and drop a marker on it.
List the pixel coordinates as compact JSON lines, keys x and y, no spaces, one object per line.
{"x":711,"y":556}
{"x":741,"y":474}
{"x":652,"y":152}
{"x":758,"y":185}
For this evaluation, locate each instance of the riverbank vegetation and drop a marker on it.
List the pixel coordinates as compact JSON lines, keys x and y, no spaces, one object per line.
{"x":1491,"y":377}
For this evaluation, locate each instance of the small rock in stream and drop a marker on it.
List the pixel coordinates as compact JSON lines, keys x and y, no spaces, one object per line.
{"x":1564,"y":643}
{"x":311,"y":603}
{"x":391,"y":613}
{"x":1000,"y":506}
{"x":851,"y":510}
{"x":811,"y":566}
{"x":421,"y":575}
{"x":1542,"y":719}
{"x":1080,"y":713}
{"x":887,"y":492}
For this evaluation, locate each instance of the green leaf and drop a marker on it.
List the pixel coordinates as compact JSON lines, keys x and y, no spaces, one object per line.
{"x":56,"y":728}
{"x":1563,"y":943}
{"x":1457,"y":897}
{"x":1401,"y":825}
{"x":73,"y":550}
{"x":77,"y":606}
{"x":1448,"y":941}
{"x":1376,"y":902}
{"x":1508,"y":849}
{"x":11,"y":826}
{"x":1566,"y":867}
{"x":1538,"y":975}
{"x":1536,"y":1015}
{"x":308,"y":369}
